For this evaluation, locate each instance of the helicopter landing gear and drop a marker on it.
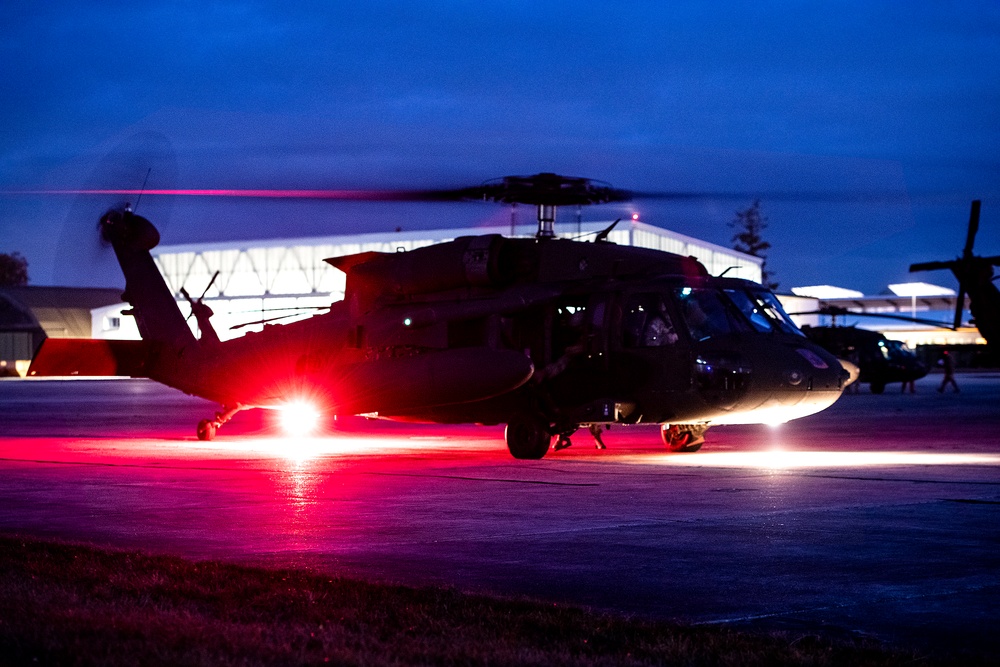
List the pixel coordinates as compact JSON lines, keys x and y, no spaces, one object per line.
{"x":207,"y":428}
{"x":527,"y":437}
{"x":683,"y":437}
{"x":563,"y":442}
{"x":595,"y":431}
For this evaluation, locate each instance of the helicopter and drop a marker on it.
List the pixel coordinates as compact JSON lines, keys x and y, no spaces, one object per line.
{"x":880,"y":361}
{"x":544,"y":335}
{"x":883,"y":361}
{"x":975,"y":279}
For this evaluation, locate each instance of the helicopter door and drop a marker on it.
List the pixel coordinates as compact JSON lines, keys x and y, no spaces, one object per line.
{"x":653,"y":354}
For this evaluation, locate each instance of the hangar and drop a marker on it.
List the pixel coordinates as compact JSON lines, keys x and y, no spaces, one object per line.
{"x":31,"y":313}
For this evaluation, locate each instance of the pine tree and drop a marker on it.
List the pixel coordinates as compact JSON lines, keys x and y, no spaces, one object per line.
{"x":749,"y":226}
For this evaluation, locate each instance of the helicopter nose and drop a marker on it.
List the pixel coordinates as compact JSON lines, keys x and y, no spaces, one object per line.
{"x":853,"y":371}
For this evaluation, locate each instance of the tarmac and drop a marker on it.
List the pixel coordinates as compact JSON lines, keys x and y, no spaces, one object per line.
{"x":879,"y":517}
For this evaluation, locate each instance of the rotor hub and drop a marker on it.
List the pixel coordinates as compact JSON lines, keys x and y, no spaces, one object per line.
{"x":547,"y":191}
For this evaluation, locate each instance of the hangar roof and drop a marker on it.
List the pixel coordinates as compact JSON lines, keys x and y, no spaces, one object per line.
{"x":62,"y":312}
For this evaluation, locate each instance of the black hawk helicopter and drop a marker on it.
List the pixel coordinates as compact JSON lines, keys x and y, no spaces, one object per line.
{"x":880,"y":360}
{"x":542,"y":334}
{"x":883,"y":361}
{"x":975,"y":279}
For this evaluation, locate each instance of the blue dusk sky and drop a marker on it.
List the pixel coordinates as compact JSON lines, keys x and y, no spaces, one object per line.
{"x":714,"y":97}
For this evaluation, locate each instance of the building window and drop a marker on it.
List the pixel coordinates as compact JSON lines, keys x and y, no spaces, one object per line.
{"x":112,"y":323}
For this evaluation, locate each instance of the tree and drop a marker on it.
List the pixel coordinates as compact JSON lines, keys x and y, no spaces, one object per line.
{"x":13,"y":270}
{"x":749,"y":226}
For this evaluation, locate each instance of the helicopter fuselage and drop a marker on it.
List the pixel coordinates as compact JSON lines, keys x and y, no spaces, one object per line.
{"x":481,"y":328}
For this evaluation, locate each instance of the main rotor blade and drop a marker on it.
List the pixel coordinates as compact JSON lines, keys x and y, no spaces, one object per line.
{"x":932,"y":266}
{"x":959,"y":306}
{"x":843,"y":312}
{"x":970,"y":238}
{"x":482,"y":192}
{"x":344,"y":195}
{"x":776,"y":195}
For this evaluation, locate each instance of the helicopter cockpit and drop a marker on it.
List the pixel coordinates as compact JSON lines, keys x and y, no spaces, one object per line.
{"x":762,"y":310}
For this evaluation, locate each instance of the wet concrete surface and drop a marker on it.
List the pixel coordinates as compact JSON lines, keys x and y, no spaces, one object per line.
{"x":878,"y":517}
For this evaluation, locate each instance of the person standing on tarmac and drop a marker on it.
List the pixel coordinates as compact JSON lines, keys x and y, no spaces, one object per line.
{"x":948,"y":362}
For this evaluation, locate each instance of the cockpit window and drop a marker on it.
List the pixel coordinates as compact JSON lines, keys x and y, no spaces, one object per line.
{"x":647,"y":323}
{"x":772,"y":308}
{"x":763,"y":310}
{"x":706,"y":314}
{"x":751,"y":309}
{"x":895,"y":350}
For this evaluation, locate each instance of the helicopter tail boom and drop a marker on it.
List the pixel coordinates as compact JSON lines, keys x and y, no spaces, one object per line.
{"x":156,"y":313}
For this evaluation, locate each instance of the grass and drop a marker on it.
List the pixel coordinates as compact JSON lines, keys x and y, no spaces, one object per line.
{"x":75,"y":605}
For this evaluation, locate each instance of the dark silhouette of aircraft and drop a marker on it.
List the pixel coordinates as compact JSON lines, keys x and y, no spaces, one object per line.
{"x":880,"y":361}
{"x":975,"y":279}
{"x":542,"y":334}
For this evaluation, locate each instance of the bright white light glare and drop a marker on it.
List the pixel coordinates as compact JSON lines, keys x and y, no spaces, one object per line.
{"x":635,"y":216}
{"x":920,"y":289}
{"x":826,"y":292}
{"x":299,"y":418}
{"x":782,"y":460}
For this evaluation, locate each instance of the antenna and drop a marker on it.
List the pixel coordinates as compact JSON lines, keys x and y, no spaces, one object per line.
{"x":142,"y":189}
{"x":602,"y":235}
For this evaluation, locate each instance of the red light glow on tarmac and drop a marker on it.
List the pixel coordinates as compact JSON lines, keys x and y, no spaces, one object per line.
{"x":301,"y":449}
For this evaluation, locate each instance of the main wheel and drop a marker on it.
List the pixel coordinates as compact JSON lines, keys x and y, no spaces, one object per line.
{"x":680,"y":440}
{"x":527,"y":437}
{"x":206,"y":429}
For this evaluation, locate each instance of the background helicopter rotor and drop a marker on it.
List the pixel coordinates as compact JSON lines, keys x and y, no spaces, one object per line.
{"x":834,"y":312}
{"x":968,"y":268}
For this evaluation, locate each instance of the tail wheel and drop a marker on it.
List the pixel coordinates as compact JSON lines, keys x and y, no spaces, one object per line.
{"x":682,"y":438}
{"x":206,"y":429}
{"x":527,"y":437}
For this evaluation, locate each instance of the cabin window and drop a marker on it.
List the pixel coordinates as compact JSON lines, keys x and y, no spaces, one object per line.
{"x":706,"y":314}
{"x":647,"y":323}
{"x":569,"y":330}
